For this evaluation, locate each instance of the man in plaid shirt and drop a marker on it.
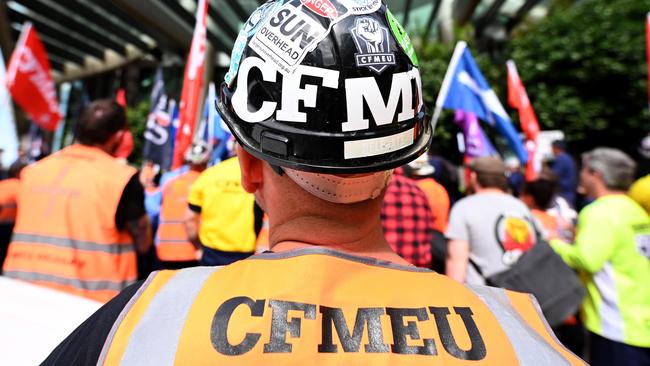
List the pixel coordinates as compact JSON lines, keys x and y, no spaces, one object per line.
{"x":407,"y":220}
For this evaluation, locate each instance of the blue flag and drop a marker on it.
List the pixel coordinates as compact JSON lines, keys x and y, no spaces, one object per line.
{"x":465,"y":88}
{"x":156,"y":135}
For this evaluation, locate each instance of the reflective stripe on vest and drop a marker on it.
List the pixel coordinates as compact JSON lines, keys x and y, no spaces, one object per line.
{"x":171,"y":238}
{"x":76,"y":283}
{"x":65,"y":236}
{"x":89,"y":246}
{"x":222,"y":315}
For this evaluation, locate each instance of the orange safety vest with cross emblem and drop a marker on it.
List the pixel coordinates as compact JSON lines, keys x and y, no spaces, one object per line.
{"x":319,"y":306}
{"x":65,"y":235}
{"x":8,"y":195}
{"x":171,"y":240}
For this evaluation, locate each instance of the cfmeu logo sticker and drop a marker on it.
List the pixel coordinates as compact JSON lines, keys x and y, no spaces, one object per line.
{"x":373,"y":43}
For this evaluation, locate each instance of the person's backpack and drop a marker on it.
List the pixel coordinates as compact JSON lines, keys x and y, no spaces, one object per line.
{"x":438,"y":251}
{"x":541,"y":272}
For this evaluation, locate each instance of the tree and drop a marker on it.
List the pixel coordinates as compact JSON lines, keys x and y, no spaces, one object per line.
{"x":585,"y":71}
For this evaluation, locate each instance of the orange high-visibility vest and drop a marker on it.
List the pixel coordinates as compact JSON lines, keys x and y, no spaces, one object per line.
{"x":171,"y":240}
{"x":65,"y":235}
{"x":438,"y":201}
{"x":317,"y":306}
{"x":8,"y":195}
{"x":550,"y":223}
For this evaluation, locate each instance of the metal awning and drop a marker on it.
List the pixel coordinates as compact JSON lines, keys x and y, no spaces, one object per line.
{"x":86,"y":37}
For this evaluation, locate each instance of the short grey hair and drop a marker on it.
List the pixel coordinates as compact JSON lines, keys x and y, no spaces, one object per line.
{"x":615,"y":166}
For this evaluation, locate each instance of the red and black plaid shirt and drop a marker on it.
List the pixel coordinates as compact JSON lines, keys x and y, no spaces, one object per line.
{"x":407,"y":221}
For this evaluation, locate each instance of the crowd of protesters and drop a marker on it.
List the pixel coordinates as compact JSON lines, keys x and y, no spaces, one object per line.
{"x":200,"y":215}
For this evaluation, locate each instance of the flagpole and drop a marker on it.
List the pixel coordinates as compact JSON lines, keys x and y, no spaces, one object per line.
{"x":446,"y":82}
{"x":647,"y":40}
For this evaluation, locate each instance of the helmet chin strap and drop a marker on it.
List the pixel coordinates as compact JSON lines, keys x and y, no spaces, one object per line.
{"x":337,"y":189}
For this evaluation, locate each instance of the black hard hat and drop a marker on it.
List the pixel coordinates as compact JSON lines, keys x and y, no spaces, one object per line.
{"x":328,"y":86}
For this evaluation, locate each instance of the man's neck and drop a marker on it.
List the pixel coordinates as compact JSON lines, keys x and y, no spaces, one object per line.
{"x":609,"y":192}
{"x":362,"y":237}
{"x":480,"y":190}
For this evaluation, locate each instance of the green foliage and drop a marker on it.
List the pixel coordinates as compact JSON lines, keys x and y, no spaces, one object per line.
{"x":585,"y":71}
{"x":137,"y":117}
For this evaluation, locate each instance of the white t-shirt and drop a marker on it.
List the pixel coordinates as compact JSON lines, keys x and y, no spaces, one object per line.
{"x":497,"y":226}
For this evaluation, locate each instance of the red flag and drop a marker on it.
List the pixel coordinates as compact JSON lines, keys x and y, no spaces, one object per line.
{"x":120,"y":97}
{"x":192,"y":86}
{"x":518,"y":99}
{"x":29,"y":80}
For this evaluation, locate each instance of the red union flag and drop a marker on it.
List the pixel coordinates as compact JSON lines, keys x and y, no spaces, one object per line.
{"x":518,"y":99}
{"x":29,"y":80}
{"x":192,"y":86}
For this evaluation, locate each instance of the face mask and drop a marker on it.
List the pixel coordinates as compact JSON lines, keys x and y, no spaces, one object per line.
{"x":338,"y":189}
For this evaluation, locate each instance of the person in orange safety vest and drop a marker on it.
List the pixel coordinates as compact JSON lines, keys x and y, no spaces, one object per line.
{"x":8,"y":206}
{"x":317,"y":146}
{"x":172,"y":245}
{"x":81,"y":215}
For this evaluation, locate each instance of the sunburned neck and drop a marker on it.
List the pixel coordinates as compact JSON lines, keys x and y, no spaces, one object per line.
{"x":361,"y":238}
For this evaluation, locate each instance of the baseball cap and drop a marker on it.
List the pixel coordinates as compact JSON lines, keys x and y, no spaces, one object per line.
{"x":487,"y":165}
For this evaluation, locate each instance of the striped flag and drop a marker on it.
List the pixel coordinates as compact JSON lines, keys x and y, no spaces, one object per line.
{"x":192,"y":85}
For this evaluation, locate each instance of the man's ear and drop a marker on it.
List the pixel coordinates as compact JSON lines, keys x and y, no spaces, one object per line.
{"x":114,"y":142}
{"x":251,"y":170}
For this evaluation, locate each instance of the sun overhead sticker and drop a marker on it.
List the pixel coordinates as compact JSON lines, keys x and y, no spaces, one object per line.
{"x":373,"y":43}
{"x":286,"y":37}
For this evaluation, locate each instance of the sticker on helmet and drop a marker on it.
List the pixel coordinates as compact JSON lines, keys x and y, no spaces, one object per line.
{"x":286,"y":37}
{"x":402,"y":37}
{"x":249,"y":28}
{"x":362,"y":6}
{"x":323,"y":8}
{"x":378,"y":145}
{"x":373,"y":43}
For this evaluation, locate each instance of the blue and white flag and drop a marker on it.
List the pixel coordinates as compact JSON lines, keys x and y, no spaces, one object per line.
{"x":464,"y":88}
{"x":168,"y":148}
{"x":156,"y":135}
{"x":213,"y":130}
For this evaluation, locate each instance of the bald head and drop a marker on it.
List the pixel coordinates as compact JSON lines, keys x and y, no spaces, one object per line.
{"x":100,"y":122}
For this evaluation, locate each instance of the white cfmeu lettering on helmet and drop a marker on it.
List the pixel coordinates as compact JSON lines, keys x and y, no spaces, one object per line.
{"x":359,"y":89}
{"x":291,"y":100}
{"x":240,"y":97}
{"x":356,"y":91}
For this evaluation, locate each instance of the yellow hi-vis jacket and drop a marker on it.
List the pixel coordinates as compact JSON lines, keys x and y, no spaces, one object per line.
{"x":317,"y":306}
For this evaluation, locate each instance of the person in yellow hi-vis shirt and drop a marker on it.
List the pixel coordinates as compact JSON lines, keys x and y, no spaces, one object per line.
{"x":318,"y":143}
{"x":612,"y":253}
{"x":222,"y":219}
